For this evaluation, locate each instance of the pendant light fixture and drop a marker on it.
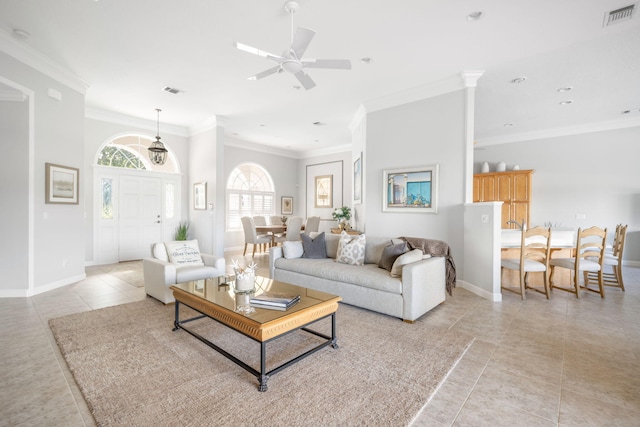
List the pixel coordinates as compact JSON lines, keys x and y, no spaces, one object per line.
{"x":157,"y":151}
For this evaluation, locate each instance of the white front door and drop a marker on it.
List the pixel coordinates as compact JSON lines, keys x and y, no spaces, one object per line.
{"x":140,"y":202}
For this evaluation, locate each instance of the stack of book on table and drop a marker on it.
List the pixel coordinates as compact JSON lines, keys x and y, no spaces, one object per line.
{"x":273,"y":301}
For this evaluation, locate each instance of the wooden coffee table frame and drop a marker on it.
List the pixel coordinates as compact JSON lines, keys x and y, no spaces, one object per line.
{"x":262,"y":333}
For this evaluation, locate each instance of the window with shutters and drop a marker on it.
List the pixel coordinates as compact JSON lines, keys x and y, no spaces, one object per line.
{"x":249,"y":193}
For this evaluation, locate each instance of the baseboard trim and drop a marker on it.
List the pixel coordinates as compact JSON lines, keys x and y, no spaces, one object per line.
{"x":480,"y":292}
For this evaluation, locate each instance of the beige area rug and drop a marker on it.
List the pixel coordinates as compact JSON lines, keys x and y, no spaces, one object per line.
{"x":134,"y":370}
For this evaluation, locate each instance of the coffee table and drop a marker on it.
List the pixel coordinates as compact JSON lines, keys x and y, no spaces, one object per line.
{"x":218,"y":302}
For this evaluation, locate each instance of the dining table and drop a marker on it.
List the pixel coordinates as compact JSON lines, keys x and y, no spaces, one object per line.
{"x":273,"y":230}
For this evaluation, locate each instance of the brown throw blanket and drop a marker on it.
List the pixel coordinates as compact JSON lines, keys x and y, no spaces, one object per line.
{"x":436,"y":248}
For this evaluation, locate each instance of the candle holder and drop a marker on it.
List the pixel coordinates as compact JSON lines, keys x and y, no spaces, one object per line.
{"x":245,"y":280}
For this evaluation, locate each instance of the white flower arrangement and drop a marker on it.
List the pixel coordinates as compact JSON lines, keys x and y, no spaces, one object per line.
{"x":245,"y":276}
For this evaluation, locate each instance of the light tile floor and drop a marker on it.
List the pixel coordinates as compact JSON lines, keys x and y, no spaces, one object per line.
{"x":561,"y":362}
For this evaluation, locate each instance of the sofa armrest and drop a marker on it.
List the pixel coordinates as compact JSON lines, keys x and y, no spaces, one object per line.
{"x":216,"y":262}
{"x":158,"y":272}
{"x":423,"y":286}
{"x":275,"y":252}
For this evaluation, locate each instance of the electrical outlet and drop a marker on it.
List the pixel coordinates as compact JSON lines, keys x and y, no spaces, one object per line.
{"x":484,"y":219}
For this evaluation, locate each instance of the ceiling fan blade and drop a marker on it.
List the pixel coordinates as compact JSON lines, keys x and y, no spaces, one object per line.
{"x":265,"y":73}
{"x":340,"y":64}
{"x":301,"y":40}
{"x":305,"y":80}
{"x":256,"y":51}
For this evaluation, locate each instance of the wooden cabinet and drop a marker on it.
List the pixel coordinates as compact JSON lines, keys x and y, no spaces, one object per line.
{"x":513,"y":188}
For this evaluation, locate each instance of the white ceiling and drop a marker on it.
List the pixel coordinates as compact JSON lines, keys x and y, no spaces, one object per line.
{"x":128,"y":50}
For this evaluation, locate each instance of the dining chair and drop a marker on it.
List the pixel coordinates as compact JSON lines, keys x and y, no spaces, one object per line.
{"x":275,"y":220}
{"x":613,"y":259}
{"x":251,"y":236}
{"x":294,"y":225}
{"x":588,"y":257}
{"x":534,"y":258}
{"x":312,"y":225}
{"x":259,"y":220}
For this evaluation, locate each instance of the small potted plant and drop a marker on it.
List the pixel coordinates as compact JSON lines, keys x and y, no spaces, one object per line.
{"x":182,"y":231}
{"x":342,"y":215}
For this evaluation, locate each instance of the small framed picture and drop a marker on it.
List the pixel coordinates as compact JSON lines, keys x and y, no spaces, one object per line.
{"x":287,"y":205}
{"x":200,"y":195}
{"x":61,"y":184}
{"x":357,"y":180}
{"x":324,"y":191}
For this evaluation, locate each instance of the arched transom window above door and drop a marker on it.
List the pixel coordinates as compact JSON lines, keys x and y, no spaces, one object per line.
{"x":131,"y":152}
{"x":250,"y":192}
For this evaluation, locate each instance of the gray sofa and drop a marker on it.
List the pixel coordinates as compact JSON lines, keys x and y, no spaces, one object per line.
{"x":421,"y":287}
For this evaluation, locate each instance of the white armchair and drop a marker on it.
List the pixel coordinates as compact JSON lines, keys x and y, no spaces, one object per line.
{"x":177,"y":262}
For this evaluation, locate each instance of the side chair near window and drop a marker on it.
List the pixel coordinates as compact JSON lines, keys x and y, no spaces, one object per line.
{"x":613,"y":259}
{"x":534,"y":258}
{"x":294,"y":226}
{"x":588,"y":258}
{"x":312,"y":225}
{"x":252,"y":237}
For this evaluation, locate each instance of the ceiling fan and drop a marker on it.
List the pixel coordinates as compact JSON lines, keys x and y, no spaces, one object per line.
{"x":291,"y":60}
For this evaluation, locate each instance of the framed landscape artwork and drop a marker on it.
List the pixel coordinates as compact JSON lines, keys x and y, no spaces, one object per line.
{"x":61,"y":184}
{"x":287,"y":205}
{"x":324,"y":191}
{"x":357,"y":180}
{"x":200,"y":195}
{"x":410,"y":189}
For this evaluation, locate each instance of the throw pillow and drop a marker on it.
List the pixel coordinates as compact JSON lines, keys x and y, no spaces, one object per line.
{"x":184,"y":252}
{"x":404,"y":259}
{"x":351,"y":249}
{"x":313,"y":247}
{"x":292,"y":249}
{"x":390,"y":253}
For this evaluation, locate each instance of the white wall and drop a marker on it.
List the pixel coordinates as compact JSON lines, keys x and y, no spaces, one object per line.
{"x":595,"y":174}
{"x":14,"y":191}
{"x":58,"y":232}
{"x":421,"y":133}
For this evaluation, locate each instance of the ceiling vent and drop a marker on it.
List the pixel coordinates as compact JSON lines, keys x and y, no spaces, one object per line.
{"x":171,"y":90}
{"x":619,"y":15}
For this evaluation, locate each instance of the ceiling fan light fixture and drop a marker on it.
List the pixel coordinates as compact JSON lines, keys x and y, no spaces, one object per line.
{"x":291,"y":66}
{"x":157,"y":150}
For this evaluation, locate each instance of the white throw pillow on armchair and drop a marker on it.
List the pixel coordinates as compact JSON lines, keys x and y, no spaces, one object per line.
{"x":184,"y":252}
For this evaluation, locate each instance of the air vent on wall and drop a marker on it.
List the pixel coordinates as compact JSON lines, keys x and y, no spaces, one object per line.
{"x":171,"y":90}
{"x":619,"y":15}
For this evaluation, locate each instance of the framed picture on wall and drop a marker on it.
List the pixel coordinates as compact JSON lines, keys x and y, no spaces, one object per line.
{"x":411,"y":189}
{"x":61,"y":184}
{"x":324,"y":191}
{"x":200,"y":195}
{"x":287,"y":205}
{"x":357,"y":180}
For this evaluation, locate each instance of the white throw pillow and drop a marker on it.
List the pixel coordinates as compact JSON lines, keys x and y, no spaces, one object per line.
{"x":404,"y":259}
{"x":351,"y":249}
{"x":184,"y":252}
{"x":292,"y":249}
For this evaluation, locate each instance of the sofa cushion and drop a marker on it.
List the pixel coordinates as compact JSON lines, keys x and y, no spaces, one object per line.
{"x":368,"y":275}
{"x":351,"y":249}
{"x":292,"y":249}
{"x":314,"y":247}
{"x":184,"y":252}
{"x":406,"y":258}
{"x":390,"y":253}
{"x":159,"y":251}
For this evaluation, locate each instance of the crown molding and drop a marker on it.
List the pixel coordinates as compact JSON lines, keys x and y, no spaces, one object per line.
{"x":238,"y":143}
{"x":41,"y":63}
{"x":418,"y":93}
{"x":123,"y":119}
{"x":326,"y":151}
{"x":470,"y":77}
{"x":357,"y":118}
{"x":559,"y":132}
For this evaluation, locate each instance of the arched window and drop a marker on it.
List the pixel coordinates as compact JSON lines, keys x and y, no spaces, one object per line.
{"x":249,"y":193}
{"x":130,"y":152}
